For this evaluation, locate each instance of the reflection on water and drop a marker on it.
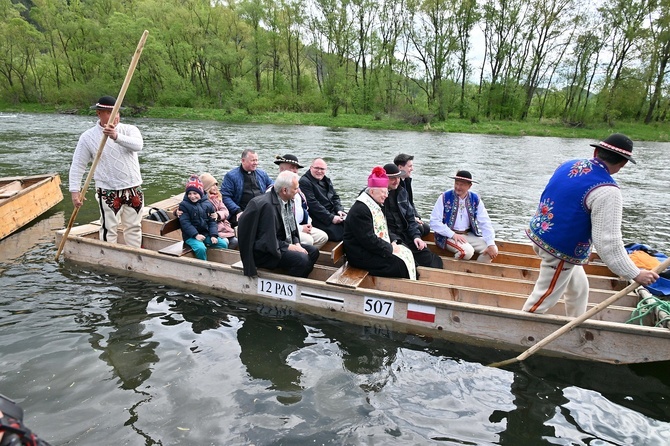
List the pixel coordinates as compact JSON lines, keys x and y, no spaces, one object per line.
{"x":103,"y":359}
{"x":266,"y":343}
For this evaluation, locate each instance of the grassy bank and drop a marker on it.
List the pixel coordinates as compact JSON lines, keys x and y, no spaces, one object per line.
{"x":637,"y":131}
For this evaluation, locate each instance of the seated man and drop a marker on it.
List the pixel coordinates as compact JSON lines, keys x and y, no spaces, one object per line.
{"x":242,"y":184}
{"x":461,"y":223}
{"x":405,"y":163}
{"x":309,"y":235}
{"x":268,"y":233}
{"x":324,"y":203}
{"x":402,"y":225}
{"x":366,"y":238}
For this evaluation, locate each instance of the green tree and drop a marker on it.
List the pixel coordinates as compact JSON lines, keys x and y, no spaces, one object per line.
{"x":660,"y":55}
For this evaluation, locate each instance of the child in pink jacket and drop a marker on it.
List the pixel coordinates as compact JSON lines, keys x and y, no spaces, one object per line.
{"x":211,"y":187}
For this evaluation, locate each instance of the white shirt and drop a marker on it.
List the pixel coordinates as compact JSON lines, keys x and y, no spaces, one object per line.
{"x":299,"y":211}
{"x":483,"y":220}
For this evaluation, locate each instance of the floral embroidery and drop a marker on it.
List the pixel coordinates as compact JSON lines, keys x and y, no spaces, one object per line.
{"x":583,"y":249}
{"x":581,"y":167}
{"x":133,"y":197}
{"x":541,"y":222}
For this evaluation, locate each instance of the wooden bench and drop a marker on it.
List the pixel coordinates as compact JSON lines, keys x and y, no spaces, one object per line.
{"x":10,"y":189}
{"x":346,"y":275}
{"x":176,"y":249}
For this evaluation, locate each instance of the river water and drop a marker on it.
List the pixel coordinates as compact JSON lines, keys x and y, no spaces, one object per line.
{"x":97,"y":358}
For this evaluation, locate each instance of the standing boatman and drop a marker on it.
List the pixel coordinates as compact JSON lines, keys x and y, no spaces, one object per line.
{"x":581,"y":206}
{"x":117,"y":177}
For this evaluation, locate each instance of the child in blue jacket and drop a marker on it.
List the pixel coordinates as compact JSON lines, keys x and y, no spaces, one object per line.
{"x":198,"y":222}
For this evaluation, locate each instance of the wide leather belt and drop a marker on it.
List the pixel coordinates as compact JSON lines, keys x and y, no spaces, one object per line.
{"x":461,"y":232}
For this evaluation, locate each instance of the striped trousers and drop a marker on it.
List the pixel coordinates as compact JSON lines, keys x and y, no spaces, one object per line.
{"x":557,"y":279}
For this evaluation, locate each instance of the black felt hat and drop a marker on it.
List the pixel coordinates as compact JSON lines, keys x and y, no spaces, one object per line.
{"x":105,"y":103}
{"x":464,"y":175}
{"x":288,"y":158}
{"x":619,"y":144}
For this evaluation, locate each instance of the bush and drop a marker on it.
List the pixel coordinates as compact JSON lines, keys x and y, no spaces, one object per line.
{"x":260,"y":105}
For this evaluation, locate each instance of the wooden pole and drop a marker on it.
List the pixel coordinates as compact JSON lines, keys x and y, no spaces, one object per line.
{"x":578,"y":320}
{"x":112,"y":116}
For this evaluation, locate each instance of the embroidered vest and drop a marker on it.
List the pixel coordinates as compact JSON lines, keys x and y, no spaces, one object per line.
{"x":450,"y":205}
{"x":562,"y":223}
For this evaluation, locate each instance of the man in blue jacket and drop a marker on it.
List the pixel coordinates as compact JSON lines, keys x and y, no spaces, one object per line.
{"x":242,"y":184}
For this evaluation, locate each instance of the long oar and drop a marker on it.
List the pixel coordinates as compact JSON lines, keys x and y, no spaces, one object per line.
{"x":578,"y":320}
{"x":115,"y":111}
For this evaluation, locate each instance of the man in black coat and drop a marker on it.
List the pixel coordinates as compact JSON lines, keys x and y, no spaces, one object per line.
{"x":405,"y":163}
{"x":324,"y":203}
{"x":402,"y":223}
{"x":268,"y":234}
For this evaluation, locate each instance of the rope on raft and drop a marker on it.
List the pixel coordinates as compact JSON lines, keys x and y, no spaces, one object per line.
{"x":651,"y":305}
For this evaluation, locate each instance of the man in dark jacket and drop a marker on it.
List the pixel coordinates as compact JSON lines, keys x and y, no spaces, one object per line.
{"x":324,"y":204}
{"x":402,"y":223}
{"x":268,"y":233}
{"x":405,"y":163}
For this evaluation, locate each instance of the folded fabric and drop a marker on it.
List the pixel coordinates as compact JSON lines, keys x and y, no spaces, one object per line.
{"x":645,"y":257}
{"x":644,"y":260}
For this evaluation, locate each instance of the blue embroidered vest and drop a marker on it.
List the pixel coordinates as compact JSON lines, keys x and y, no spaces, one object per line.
{"x":450,"y":204}
{"x":562,"y":223}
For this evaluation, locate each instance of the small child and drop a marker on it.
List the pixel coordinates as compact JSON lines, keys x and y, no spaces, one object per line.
{"x":211,"y":187}
{"x":198,"y":228}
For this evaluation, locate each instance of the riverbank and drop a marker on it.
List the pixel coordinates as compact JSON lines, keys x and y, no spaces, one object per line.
{"x":638,"y":131}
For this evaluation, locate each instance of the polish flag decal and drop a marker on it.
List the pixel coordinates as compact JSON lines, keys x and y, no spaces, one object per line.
{"x":424,"y":313}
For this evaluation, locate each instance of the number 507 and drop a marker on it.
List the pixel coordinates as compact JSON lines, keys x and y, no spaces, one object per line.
{"x":378,"y":307}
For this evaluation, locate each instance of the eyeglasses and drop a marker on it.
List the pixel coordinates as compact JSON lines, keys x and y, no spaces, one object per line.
{"x":319,"y":168}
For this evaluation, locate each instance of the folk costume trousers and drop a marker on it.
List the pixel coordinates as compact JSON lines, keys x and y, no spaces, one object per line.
{"x":121,"y":208}
{"x":465,"y":251}
{"x":557,"y":279}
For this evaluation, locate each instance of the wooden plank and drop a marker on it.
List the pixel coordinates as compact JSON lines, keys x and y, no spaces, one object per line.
{"x":169,"y":204}
{"x":525,"y":260}
{"x":347,"y":276}
{"x":503,"y":245}
{"x":177,"y":249}
{"x":506,"y":285}
{"x":170,"y":226}
{"x":11,"y":186}
{"x":10,"y":189}
{"x":523,"y":273}
{"x":337,"y":254}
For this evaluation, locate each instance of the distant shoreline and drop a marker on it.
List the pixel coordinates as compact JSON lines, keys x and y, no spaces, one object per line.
{"x":659,"y":132}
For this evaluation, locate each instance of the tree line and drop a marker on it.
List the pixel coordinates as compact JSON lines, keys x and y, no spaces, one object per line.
{"x":569,"y":60}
